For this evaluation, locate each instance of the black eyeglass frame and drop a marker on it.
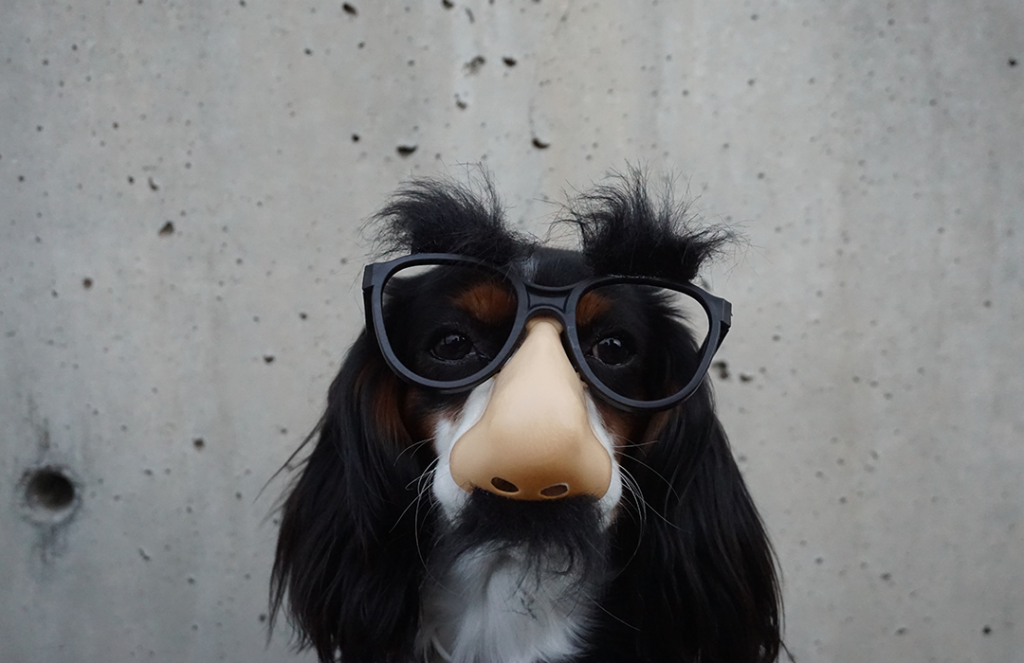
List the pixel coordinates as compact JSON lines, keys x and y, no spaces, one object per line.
{"x":533,"y":300}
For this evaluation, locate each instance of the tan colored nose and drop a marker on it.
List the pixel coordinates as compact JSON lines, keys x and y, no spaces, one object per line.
{"x":534,"y":441}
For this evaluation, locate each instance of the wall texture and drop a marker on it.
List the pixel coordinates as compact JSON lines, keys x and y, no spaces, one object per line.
{"x":181,"y":188}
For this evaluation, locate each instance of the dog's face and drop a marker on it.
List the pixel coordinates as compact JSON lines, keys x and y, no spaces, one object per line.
{"x":500,"y":365}
{"x":520,"y":439}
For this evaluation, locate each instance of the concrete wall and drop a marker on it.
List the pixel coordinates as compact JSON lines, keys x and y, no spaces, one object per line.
{"x":181,"y":184}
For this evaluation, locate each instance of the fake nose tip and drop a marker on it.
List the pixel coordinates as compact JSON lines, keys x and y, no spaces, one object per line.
{"x":506,"y":488}
{"x":520,"y":469}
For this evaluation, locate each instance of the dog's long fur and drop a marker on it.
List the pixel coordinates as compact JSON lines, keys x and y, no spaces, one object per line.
{"x":682,"y":571}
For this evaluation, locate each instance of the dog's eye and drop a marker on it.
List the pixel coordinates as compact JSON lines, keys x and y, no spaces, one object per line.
{"x":613,"y":350}
{"x":452,"y":346}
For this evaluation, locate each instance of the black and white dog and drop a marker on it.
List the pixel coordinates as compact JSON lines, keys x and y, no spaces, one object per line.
{"x":520,"y":460}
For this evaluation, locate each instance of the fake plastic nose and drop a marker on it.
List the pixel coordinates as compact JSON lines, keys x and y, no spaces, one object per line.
{"x":534,"y":441}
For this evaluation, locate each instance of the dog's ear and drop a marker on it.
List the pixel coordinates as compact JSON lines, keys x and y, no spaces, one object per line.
{"x":347,"y":550}
{"x":699,"y":575}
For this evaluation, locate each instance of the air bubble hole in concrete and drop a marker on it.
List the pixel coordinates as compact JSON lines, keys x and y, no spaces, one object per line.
{"x":49,"y":489}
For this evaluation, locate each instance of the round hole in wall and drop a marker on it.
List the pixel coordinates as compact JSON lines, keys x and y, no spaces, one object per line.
{"x":49,"y":489}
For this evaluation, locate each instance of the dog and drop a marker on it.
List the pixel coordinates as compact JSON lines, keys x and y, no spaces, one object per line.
{"x":520,"y":460}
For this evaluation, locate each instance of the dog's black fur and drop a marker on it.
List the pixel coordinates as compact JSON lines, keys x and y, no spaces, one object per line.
{"x":689,"y":569}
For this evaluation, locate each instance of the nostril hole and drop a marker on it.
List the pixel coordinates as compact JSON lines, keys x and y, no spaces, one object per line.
{"x":556,"y":490}
{"x":504,"y":486}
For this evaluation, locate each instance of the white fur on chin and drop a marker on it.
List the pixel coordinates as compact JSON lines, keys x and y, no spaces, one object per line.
{"x":494,"y":605}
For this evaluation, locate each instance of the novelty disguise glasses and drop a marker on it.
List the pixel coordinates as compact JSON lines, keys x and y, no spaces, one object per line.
{"x":449,"y":322}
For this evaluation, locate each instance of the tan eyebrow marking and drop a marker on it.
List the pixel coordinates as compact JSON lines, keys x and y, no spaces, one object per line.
{"x":489,"y":303}
{"x":589,"y":307}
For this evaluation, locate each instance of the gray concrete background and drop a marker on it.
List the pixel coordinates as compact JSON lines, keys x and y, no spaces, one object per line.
{"x":181,"y":184}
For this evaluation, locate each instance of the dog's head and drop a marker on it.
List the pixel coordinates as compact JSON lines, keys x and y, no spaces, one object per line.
{"x":520,"y":459}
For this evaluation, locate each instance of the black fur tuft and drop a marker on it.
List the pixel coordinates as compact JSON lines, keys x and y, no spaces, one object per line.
{"x":625,"y":232}
{"x":433,"y":216}
{"x":567,"y":531}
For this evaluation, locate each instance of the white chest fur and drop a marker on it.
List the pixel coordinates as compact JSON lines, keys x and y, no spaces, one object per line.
{"x":496,"y":607}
